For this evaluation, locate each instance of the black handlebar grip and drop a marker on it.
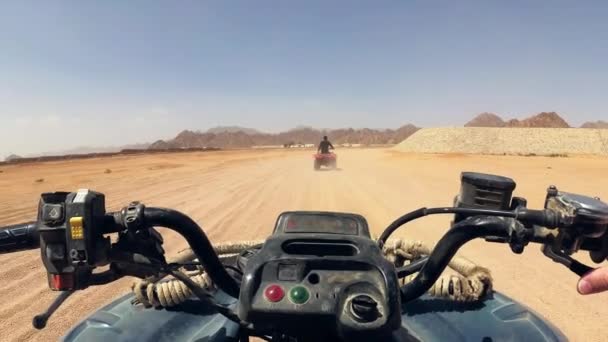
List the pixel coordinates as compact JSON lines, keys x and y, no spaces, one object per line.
{"x":18,"y":237}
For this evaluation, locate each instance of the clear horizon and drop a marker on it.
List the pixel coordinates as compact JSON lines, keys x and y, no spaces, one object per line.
{"x":101,"y":74}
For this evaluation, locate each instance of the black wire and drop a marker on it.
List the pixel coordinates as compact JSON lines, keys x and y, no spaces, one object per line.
{"x":207,"y":298}
{"x":412,"y":268}
{"x":190,"y":263}
{"x":104,"y":277}
{"x":235,"y":269}
{"x":193,"y":263}
{"x":416,"y":214}
{"x":178,"y":265}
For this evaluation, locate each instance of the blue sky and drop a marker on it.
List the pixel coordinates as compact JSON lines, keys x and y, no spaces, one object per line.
{"x":116,"y":72}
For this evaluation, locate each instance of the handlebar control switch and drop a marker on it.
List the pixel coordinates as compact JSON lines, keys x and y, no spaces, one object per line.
{"x":583,"y":219}
{"x":53,"y":214}
{"x":71,"y":238}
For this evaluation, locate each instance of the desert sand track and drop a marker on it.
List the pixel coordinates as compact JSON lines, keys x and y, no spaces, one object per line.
{"x":238,"y":195}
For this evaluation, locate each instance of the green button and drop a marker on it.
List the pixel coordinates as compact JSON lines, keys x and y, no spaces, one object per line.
{"x":299,"y":295}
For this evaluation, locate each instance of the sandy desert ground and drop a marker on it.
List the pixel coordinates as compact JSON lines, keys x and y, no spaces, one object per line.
{"x":238,"y":195}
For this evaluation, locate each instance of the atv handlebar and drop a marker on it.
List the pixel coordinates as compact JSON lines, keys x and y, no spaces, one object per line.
{"x":514,"y":228}
{"x":492,"y":225}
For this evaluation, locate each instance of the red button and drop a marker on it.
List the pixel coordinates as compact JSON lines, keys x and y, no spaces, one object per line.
{"x":274,"y":293}
{"x":62,"y":282}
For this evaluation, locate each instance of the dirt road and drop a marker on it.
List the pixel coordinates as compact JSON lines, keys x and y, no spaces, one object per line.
{"x":238,"y":195}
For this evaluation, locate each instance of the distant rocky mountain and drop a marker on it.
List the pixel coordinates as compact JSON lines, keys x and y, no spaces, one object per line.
{"x":544,"y":119}
{"x":541,"y":120}
{"x":141,"y":146}
{"x":92,"y":149}
{"x":302,"y":135}
{"x":486,"y":120}
{"x":232,"y":129}
{"x":159,"y":145}
{"x":595,"y":124}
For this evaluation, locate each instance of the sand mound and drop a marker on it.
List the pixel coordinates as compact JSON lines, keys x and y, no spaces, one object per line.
{"x":517,"y":141}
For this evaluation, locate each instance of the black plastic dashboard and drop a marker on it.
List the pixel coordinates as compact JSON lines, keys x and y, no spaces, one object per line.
{"x":322,"y":270}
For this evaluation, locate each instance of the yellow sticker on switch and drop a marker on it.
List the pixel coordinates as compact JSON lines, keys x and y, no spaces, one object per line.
{"x":77,"y":228}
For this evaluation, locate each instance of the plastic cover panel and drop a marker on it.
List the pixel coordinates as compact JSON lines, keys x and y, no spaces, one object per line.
{"x":426,"y":319}
{"x":121,"y":321}
{"x":496,"y":319}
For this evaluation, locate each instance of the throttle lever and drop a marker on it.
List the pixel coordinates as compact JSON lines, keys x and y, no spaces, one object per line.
{"x":572,"y":264}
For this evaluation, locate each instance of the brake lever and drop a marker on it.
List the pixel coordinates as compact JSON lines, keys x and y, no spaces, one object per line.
{"x":561,"y":258}
{"x":39,"y":321}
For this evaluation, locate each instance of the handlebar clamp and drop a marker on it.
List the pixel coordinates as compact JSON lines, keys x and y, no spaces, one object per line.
{"x":133,"y":216}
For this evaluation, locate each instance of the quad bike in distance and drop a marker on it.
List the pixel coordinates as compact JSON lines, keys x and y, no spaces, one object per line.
{"x":329,"y":160}
{"x":318,"y":277}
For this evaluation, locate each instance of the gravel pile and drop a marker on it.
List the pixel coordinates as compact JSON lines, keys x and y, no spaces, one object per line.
{"x":512,"y":141}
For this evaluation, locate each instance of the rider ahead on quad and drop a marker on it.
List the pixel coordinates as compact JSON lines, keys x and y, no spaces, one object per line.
{"x":323,"y":156}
